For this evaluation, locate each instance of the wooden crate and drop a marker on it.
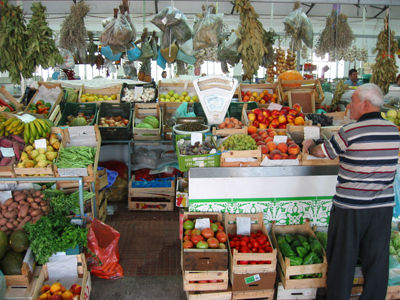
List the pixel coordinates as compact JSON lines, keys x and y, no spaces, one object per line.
{"x":101,"y":203}
{"x":203,"y":259}
{"x":226,"y":155}
{"x":7,"y":172}
{"x":393,"y":292}
{"x":260,"y":294}
{"x":307,"y":85}
{"x":310,"y":160}
{"x":10,"y":98}
{"x":56,"y":115}
{"x":285,"y":270}
{"x":153,"y":192}
{"x":237,"y":272}
{"x":143,"y":110}
{"x":164,"y":204}
{"x":190,"y":276}
{"x":306,"y":99}
{"x":289,"y":294}
{"x":108,"y":91}
{"x":296,"y":132}
{"x":216,"y":295}
{"x":272,"y":88}
{"x":177,"y":87}
{"x":229,"y":131}
{"x":27,"y":270}
{"x":82,"y":278}
{"x":22,"y":292}
{"x":54,"y":102}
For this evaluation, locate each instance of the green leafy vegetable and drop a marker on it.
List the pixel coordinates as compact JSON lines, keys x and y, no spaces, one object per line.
{"x":54,"y":233}
{"x":65,"y":204}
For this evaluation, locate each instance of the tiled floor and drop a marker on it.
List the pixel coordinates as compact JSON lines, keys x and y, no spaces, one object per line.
{"x":149,"y":244}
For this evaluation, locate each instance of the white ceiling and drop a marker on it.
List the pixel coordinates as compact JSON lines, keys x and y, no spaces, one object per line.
{"x":271,"y":12}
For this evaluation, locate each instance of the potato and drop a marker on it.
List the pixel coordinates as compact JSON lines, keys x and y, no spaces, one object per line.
{"x":13,"y":206}
{"x":26,"y":219}
{"x":24,"y":211}
{"x":36,"y":212}
{"x":8,"y":202}
{"x":16,"y":193}
{"x":10,"y":214}
{"x":3,"y":228}
{"x":30,"y":199}
{"x":10,"y":225}
{"x":38,"y":199}
{"x":38,"y":193}
{"x":3,"y":222}
{"x":21,"y":225}
{"x":20,"y":197}
{"x":15,"y":223}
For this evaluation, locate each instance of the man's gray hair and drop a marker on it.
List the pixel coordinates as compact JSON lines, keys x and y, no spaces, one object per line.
{"x":372,"y":93}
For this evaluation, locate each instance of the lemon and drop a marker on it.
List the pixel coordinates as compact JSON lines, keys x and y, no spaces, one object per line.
{"x":113,"y":97}
{"x":90,"y":99}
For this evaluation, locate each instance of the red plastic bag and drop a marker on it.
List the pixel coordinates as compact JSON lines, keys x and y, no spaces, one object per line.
{"x":103,"y":252}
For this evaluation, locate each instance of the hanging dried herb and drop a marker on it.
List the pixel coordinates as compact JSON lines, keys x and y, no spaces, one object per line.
{"x":341,"y":88}
{"x":13,"y":41}
{"x":252,"y":48}
{"x":336,"y":38}
{"x":91,"y":50}
{"x":41,"y":46}
{"x":73,"y":30}
{"x":384,"y":70}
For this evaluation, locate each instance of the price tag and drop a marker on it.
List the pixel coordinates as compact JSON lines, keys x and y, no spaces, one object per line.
{"x":311,"y":133}
{"x":280,"y":139}
{"x":202,"y":223}
{"x":178,"y":16}
{"x":40,"y":144}
{"x":7,"y":152}
{"x":243,"y":225}
{"x":26,"y":118}
{"x":252,"y":279}
{"x":196,"y":137}
{"x":138,"y":90}
{"x":164,"y":21}
{"x":273,"y":106}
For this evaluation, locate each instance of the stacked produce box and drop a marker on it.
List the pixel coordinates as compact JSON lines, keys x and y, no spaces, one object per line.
{"x":147,"y":122}
{"x":204,"y":256}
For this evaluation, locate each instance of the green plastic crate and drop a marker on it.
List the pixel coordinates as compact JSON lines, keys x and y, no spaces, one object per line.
{"x":74,"y":108}
{"x":235,"y":108}
{"x":195,"y":161}
{"x":114,"y":110}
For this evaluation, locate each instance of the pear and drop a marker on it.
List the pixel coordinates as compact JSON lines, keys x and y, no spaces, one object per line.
{"x":34,"y":154}
{"x":41,"y":157}
{"x":42,"y":151}
{"x":29,"y":164}
{"x":24,"y":156}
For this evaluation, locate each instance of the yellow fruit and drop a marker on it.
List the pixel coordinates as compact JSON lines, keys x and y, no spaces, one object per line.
{"x":55,"y":287}
{"x":113,"y":97}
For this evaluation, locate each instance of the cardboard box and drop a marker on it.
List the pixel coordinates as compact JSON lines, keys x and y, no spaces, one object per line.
{"x":203,"y":259}
{"x":54,"y":101}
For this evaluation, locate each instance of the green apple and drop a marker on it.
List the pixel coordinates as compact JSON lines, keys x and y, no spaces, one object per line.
{"x":167,"y":97}
{"x":171,"y":93}
{"x":181,"y":98}
{"x":195,"y":98}
{"x":176,"y":96}
{"x":391,"y":113}
{"x":187,"y":98}
{"x":184,"y":93}
{"x":167,"y":100}
{"x":172,"y":99}
{"x":161,"y":96}
{"x":162,"y":99}
{"x":177,"y":100}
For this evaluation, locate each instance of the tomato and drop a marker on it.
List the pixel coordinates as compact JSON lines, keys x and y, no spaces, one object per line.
{"x":202,"y":281}
{"x":197,"y":238}
{"x":268,"y":243}
{"x":253,"y":262}
{"x":214,"y":227}
{"x":221,"y":236}
{"x":245,"y":238}
{"x":259,"y":231}
{"x":268,"y":249}
{"x":207,"y":233}
{"x":261,"y":251}
{"x":213,"y":281}
{"x":250,"y":245}
{"x":218,"y":223}
{"x":244,"y":249}
{"x":188,"y":224}
{"x":232,"y":244}
{"x":237,"y":244}
{"x":254,"y":250}
{"x":187,"y":238}
{"x":243,"y":243}
{"x":230,"y":236}
{"x":195,"y":232}
{"x":188,"y":232}
{"x":260,"y":241}
{"x":187,"y":245}
{"x":255,"y":244}
{"x":239,"y":236}
{"x":243,"y":262}
{"x":235,"y":239}
{"x":212,"y":243}
{"x":220,"y":228}
{"x":263,"y":236}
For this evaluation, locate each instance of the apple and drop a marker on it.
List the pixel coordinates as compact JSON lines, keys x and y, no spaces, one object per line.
{"x":188,"y":244}
{"x":299,"y":121}
{"x":246,"y":99}
{"x":282,"y":126}
{"x":55,"y":297}
{"x":297,"y":107}
{"x":256,"y":111}
{"x":261,"y":118}
{"x":293,"y":149}
{"x":283,"y":112}
{"x":267,"y":113}
{"x":300,"y":115}
{"x":255,"y":123}
{"x":264,"y":149}
{"x":263,"y":125}
{"x":248,"y":93}
{"x":282,"y":119}
{"x":275,"y":113}
{"x":290,"y":118}
{"x":293,"y":111}
{"x":274,"y":123}
{"x":251,"y":129}
{"x":67,"y":295}
{"x":251,"y":116}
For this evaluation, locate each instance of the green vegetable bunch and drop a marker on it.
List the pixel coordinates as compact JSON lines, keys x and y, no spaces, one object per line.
{"x":75,"y":157}
{"x":66,"y":204}
{"x":301,"y":250}
{"x":394,"y":248}
{"x":54,"y":233}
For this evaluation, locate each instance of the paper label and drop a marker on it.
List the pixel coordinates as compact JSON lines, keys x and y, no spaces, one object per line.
{"x":40,"y":144}
{"x":280,"y":139}
{"x":164,"y":21}
{"x":243,"y":225}
{"x":273,"y":106}
{"x":4,"y":196}
{"x":178,"y":16}
{"x":252,"y":279}
{"x":73,"y":172}
{"x":196,"y":137}
{"x":202,"y":223}
{"x":138,"y":90}
{"x":311,"y":133}
{"x":26,"y":118}
{"x":7,"y":152}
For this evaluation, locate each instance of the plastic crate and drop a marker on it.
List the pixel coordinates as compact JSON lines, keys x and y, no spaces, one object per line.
{"x":114,"y":110}
{"x":132,"y":86}
{"x":199,"y":111}
{"x":235,"y":108}
{"x":194,"y":161}
{"x":74,"y":108}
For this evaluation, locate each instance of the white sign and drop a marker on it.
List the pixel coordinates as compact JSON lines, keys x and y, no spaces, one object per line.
{"x":7,"y":152}
{"x":138,"y":90}
{"x":196,"y":137}
{"x":280,"y":139}
{"x":202,"y":223}
{"x":243,"y":226}
{"x":273,"y":106}
{"x":40,"y":144}
{"x":311,"y":133}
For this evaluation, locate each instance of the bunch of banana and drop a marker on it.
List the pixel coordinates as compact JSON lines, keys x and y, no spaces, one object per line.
{"x":12,"y":126}
{"x":37,"y":129}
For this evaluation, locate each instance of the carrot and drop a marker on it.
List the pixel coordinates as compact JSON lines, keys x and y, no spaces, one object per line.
{"x":110,"y":267}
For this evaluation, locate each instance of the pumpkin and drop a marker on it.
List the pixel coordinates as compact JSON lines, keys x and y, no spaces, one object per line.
{"x":290,"y":75}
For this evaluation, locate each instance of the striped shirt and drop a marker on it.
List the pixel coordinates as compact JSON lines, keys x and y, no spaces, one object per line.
{"x":368,"y":153}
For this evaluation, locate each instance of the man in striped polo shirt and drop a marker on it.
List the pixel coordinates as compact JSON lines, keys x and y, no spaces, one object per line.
{"x":361,"y":214}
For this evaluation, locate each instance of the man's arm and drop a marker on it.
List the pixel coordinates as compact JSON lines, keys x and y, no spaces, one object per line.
{"x":310,"y":147}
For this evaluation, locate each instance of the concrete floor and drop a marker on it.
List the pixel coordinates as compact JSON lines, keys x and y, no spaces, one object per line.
{"x":138,"y":288}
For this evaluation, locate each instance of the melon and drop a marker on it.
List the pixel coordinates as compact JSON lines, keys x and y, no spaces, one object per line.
{"x":153,"y":121}
{"x":3,"y":244}
{"x":12,"y":262}
{"x":79,"y":121}
{"x":19,"y":240}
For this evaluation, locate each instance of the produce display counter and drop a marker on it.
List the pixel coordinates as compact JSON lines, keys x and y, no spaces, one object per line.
{"x":287,"y":194}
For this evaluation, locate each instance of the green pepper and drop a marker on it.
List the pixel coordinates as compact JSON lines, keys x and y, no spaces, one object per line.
{"x":33,"y":106}
{"x":286,"y":250}
{"x":47,"y":104}
{"x":301,"y":238}
{"x":302,"y":251}
{"x":316,"y":247}
{"x":295,"y":260}
{"x":297,"y":277}
{"x":281,"y":239}
{"x":309,"y":259}
{"x":306,"y":245}
{"x":289,"y":238}
{"x":319,"y":275}
{"x":317,"y":260}
{"x":295,"y":244}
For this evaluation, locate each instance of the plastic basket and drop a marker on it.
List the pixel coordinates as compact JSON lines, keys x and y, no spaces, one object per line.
{"x":114,"y":110}
{"x":74,"y":108}
{"x":194,"y":161}
{"x":235,"y":108}
{"x":144,"y":86}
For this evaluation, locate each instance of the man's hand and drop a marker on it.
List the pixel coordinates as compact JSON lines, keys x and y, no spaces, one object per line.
{"x":310,"y":147}
{"x":307,"y":144}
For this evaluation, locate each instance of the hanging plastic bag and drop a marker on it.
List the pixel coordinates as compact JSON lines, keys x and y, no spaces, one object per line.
{"x":396,"y":210}
{"x":228,"y":50}
{"x":168,"y":17}
{"x":130,"y":70}
{"x":206,"y":31}
{"x":154,"y":47}
{"x":181,"y":32}
{"x":147,"y":51}
{"x":161,"y":62}
{"x":69,"y":62}
{"x":134,"y":53}
{"x":170,"y":53}
{"x":306,"y":31}
{"x":103,"y":252}
{"x":118,"y":34}
{"x":185,"y":58}
{"x":187,"y":47}
{"x":292,"y":24}
{"x":107,"y":52}
{"x":166,"y":39}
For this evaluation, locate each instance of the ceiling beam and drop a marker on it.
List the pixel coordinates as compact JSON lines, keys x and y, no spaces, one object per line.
{"x":382,"y":10}
{"x":156,"y":6}
{"x":311,"y":7}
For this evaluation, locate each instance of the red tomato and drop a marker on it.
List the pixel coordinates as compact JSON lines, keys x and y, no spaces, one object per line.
{"x":244,"y":250}
{"x":253,"y":262}
{"x":220,"y":228}
{"x":239,"y":236}
{"x":187,"y":237}
{"x":245,"y":238}
{"x":202,"y":281}
{"x":243,"y":243}
{"x":260,"y":241}
{"x":218,"y":223}
{"x":268,"y":249}
{"x":263,"y":236}
{"x":232,"y":244}
{"x":250,"y":245}
{"x":235,"y":239}
{"x":261,"y":251}
{"x":268,"y":243}
{"x":187,"y":245}
{"x":197,"y":238}
{"x":237,"y":244}
{"x":255,"y":244}
{"x":221,"y":236}
{"x":207,"y":233}
{"x":230,"y":236}
{"x":213,"y":281}
{"x":252,"y":240}
{"x":243,"y":262}
{"x":212,"y":243}
{"x":254,"y":250}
